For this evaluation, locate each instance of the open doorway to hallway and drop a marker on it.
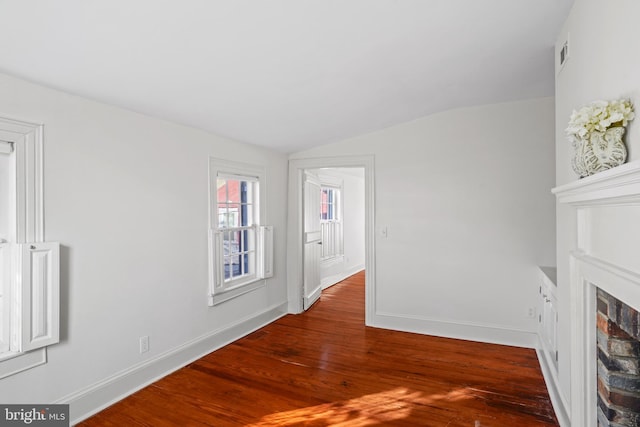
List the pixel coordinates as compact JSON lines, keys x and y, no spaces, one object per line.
{"x":342,"y":231}
{"x":301,"y":291}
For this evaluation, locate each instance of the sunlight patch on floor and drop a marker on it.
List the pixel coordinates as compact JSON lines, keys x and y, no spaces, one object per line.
{"x":366,"y":410}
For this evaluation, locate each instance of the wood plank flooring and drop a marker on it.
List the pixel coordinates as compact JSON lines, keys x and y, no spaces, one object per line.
{"x":325,"y":368}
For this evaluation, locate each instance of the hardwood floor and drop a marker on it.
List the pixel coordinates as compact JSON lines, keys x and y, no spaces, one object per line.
{"x":324,"y":367}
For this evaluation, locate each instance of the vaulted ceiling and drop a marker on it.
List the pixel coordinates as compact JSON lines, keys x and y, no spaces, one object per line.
{"x":286,"y":74}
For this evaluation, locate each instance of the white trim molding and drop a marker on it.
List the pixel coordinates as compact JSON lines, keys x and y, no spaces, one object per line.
{"x":558,"y":400}
{"x":604,"y":256}
{"x":469,"y":331}
{"x":26,"y":140}
{"x":339,"y":277}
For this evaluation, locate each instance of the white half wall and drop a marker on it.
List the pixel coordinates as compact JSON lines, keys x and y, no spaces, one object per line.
{"x":127,"y":197}
{"x":465,"y":199}
{"x":604,"y":41}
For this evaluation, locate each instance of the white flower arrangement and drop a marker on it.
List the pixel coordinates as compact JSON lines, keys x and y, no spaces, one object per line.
{"x":599,"y":116}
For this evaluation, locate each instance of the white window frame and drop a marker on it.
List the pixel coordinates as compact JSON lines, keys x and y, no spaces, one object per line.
{"x":332,"y":229}
{"x":247,"y":251}
{"x":220,"y":289}
{"x":32,"y":280}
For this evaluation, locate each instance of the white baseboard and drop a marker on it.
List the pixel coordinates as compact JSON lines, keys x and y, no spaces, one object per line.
{"x":312,"y":298}
{"x":96,"y":397}
{"x":558,"y":401}
{"x":339,"y":277}
{"x":464,"y":331}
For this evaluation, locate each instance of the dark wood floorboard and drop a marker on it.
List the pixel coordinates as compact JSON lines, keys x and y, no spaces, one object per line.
{"x":325,"y":368}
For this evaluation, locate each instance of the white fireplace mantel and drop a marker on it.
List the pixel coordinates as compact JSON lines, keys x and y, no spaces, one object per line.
{"x":604,"y":255}
{"x":617,"y":185}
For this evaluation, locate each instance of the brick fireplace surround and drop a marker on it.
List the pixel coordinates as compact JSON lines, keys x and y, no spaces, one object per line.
{"x":604,"y":296}
{"x":618,"y":362}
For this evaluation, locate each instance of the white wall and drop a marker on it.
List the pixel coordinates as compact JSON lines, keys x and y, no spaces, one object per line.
{"x":126,"y":196}
{"x":354,"y":249}
{"x":334,"y":270}
{"x":465,"y":195}
{"x":603,"y":64}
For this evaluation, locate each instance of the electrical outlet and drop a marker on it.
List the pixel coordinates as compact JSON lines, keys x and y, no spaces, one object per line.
{"x":144,"y":344}
{"x":531,"y":312}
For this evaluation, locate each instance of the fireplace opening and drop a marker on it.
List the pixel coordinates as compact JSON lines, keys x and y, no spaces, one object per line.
{"x":618,"y":371}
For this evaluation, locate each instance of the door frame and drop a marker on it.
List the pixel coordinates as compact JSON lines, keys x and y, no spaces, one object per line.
{"x":295,"y":225}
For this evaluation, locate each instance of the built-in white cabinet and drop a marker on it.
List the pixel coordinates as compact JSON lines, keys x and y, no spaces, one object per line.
{"x":548,"y":316}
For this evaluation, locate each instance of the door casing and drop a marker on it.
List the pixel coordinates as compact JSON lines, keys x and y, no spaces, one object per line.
{"x":295,"y":229}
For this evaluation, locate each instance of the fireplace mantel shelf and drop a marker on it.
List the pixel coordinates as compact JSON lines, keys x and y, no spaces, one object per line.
{"x":619,"y":184}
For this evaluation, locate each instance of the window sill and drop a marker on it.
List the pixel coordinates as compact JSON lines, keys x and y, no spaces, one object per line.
{"x":238,"y":290}
{"x":13,"y":363}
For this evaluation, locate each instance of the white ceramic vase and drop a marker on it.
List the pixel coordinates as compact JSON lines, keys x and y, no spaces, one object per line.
{"x":599,"y":151}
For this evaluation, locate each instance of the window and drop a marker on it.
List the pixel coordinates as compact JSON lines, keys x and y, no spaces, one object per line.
{"x":240,"y":245}
{"x":328,"y":204}
{"x":29,"y":267}
{"x":331,"y":220}
{"x":236,"y":208}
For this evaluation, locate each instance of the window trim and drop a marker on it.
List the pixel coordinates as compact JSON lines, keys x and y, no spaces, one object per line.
{"x":27,"y":141}
{"x":219,"y":291}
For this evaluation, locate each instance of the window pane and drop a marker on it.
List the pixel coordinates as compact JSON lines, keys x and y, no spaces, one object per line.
{"x":222,"y":218}
{"x":235,"y":242}
{"x":243,"y":243}
{"x":222,"y":190}
{"x":227,"y":268}
{"x":233,"y":191}
{"x":323,"y":204}
{"x":234,"y":220}
{"x":249,"y":263}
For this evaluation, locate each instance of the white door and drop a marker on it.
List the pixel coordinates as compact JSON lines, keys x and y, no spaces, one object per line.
{"x":312,"y":240}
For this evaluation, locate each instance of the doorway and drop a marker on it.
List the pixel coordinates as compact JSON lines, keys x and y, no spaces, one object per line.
{"x":298,"y":171}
